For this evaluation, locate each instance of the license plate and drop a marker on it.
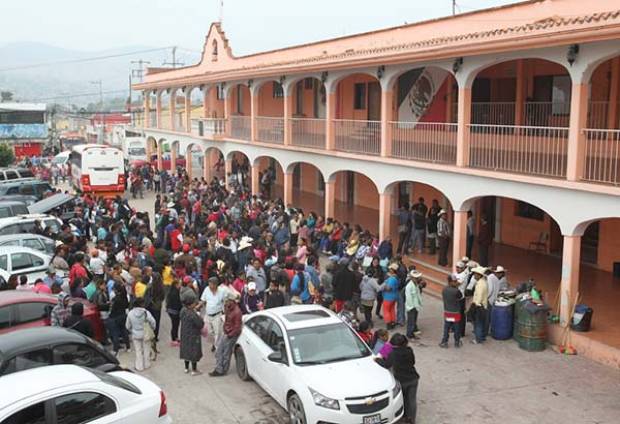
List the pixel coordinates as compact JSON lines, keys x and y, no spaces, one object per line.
{"x":372,"y":419}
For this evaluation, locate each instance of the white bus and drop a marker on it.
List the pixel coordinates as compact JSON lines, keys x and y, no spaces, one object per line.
{"x":132,"y":142}
{"x":97,"y":169}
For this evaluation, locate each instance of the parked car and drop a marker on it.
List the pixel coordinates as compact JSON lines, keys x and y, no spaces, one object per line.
{"x":33,"y":241}
{"x":26,"y":309}
{"x":316,"y":367}
{"x":12,"y":208}
{"x":26,"y":224}
{"x":60,"y":202}
{"x":18,"y":260}
{"x":38,"y":347}
{"x":7,"y":174}
{"x":22,"y":198}
{"x":30,"y":187}
{"x":76,"y":395}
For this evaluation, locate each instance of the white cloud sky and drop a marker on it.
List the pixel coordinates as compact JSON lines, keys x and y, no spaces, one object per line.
{"x":251,"y":25}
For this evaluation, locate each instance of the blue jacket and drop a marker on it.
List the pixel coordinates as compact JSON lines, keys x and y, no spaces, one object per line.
{"x":391,"y":283}
{"x":298,"y":290}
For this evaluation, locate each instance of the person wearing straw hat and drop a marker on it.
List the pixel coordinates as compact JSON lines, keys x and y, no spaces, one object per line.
{"x":480,"y":303}
{"x":443,"y":235}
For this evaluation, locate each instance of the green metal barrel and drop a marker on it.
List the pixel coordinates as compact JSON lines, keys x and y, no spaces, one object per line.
{"x":532,"y":329}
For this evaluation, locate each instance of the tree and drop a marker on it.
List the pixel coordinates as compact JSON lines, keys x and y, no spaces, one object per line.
{"x":6,"y":155}
{"x":6,"y":96}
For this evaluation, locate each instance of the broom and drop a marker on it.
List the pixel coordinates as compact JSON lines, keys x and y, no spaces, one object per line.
{"x":566,"y":347}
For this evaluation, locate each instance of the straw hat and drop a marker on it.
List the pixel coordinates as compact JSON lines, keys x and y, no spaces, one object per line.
{"x":479,"y":270}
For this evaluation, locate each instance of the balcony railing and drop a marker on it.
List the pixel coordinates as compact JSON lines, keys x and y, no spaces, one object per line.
{"x":270,"y":130}
{"x":308,"y":132}
{"x":358,"y":136}
{"x":208,"y":127}
{"x":241,"y":127}
{"x":602,"y":162}
{"x":152,"y":119}
{"x":497,"y":113}
{"x":425,"y":141}
{"x":519,"y":149}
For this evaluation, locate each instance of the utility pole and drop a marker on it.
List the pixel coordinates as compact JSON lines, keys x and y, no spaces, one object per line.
{"x":139,"y":72}
{"x":453,"y":7}
{"x":174,"y":62}
{"x":100,"y":83}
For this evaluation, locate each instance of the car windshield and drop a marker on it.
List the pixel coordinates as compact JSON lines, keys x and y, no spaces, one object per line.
{"x":325,"y":344}
{"x":136,"y":151}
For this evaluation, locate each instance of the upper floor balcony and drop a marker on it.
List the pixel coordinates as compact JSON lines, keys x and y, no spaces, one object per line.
{"x":534,"y":116}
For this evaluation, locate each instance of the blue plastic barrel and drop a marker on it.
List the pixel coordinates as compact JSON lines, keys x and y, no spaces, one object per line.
{"x":502,"y":320}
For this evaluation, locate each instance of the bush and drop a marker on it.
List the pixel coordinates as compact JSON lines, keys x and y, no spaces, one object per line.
{"x":6,"y":155}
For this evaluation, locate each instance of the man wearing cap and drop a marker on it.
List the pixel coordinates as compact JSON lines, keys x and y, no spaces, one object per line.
{"x":443,"y":235}
{"x":413,"y":303}
{"x":480,"y":304}
{"x":232,"y":330}
{"x":213,"y":298}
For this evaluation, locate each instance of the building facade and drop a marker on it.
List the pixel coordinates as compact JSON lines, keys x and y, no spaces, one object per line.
{"x":24,"y":127}
{"x":511,"y":113}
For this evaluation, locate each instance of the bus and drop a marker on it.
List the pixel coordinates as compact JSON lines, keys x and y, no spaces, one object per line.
{"x":97,"y":169}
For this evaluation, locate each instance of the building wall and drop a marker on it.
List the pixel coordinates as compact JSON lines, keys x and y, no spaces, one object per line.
{"x":517,"y":231}
{"x":268,"y":105}
{"x":309,"y":178}
{"x":609,"y":243}
{"x":346,"y":96}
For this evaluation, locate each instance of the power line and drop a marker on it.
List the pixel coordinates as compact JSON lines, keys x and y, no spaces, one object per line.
{"x":88,"y":59}
{"x":70,"y":96}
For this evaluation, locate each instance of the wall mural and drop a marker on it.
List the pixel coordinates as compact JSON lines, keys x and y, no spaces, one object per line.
{"x":18,"y":131}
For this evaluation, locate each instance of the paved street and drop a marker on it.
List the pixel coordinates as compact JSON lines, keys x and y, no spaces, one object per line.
{"x":491,"y":383}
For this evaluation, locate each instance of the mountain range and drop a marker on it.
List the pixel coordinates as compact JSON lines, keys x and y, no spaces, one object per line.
{"x":31,"y":71}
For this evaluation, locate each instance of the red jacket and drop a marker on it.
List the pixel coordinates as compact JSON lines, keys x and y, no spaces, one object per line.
{"x":232,"y":320}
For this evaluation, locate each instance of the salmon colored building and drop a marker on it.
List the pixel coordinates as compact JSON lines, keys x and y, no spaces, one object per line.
{"x":511,"y":113}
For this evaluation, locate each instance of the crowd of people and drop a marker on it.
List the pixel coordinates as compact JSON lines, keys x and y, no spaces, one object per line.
{"x":213,"y":252}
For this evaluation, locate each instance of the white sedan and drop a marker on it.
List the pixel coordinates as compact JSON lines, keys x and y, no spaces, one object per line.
{"x":18,"y":260}
{"x":76,"y":395}
{"x":316,"y":367}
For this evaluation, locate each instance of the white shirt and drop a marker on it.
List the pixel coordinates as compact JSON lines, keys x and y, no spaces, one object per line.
{"x":493,"y":283}
{"x":96,"y":265}
{"x":215,"y":301}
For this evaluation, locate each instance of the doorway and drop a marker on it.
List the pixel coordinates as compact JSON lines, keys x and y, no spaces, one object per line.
{"x":374,"y":101}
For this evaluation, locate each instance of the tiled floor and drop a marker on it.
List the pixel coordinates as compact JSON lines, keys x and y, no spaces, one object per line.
{"x":598,"y":289}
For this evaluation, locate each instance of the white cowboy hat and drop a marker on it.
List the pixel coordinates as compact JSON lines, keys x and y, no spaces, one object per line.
{"x":244,"y":244}
{"x":442,"y":212}
{"x":479,"y":270}
{"x":415,"y":274}
{"x":500,"y":268}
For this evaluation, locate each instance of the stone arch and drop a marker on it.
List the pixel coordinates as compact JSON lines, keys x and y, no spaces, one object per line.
{"x":468,"y":73}
{"x":337,"y":77}
{"x":308,"y":185}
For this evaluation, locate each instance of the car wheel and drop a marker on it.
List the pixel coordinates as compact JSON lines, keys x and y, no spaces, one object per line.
{"x":296,"y":412}
{"x":242,"y":366}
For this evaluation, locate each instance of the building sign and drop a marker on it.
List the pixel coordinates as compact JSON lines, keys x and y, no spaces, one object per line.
{"x":18,"y":131}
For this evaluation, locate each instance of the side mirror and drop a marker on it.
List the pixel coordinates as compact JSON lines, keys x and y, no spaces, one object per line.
{"x":276,"y":357}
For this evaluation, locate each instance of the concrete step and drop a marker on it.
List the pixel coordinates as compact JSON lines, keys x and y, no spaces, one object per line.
{"x":434,"y":275}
